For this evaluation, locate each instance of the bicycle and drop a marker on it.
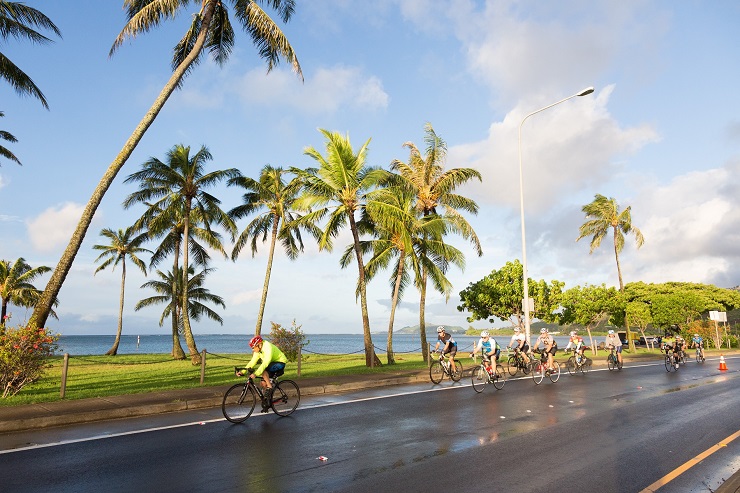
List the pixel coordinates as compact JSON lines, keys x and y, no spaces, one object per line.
{"x":441,"y":367}
{"x":481,"y":376}
{"x":671,"y":362}
{"x":612,"y":362}
{"x":516,"y":362}
{"x":540,"y":369}
{"x":240,"y":399}
{"x":578,"y":362}
{"x":700,"y":354}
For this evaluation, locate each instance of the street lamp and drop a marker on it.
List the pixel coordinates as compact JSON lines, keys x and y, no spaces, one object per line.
{"x":526,"y":301}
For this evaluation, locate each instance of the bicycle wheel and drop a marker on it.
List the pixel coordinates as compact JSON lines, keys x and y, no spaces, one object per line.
{"x":479,"y":378}
{"x":436,"y":372}
{"x":499,"y":379}
{"x":285,"y":397}
{"x":538,"y":372}
{"x":668,"y":364}
{"x":571,"y":365}
{"x":555,"y":374}
{"x":585,"y":365}
{"x":238,"y":403}
{"x":611,"y":362}
{"x":457,"y":372}
{"x":512,"y":365}
{"x":527,"y":367}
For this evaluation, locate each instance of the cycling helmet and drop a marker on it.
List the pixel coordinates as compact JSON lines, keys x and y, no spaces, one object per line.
{"x":611,"y":332}
{"x":254,"y":341}
{"x":543,"y":330}
{"x":572,"y":333}
{"x":517,"y":329}
{"x":696,"y":335}
{"x":440,"y":329}
{"x":484,"y":333}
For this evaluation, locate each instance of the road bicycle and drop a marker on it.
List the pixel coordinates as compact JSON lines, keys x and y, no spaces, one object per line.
{"x":612,"y":362}
{"x":482,"y":377}
{"x":240,"y":400}
{"x":516,"y":362}
{"x":699,"y":354}
{"x":671,"y":362}
{"x":540,"y":369}
{"x":578,"y":362}
{"x":441,"y":367}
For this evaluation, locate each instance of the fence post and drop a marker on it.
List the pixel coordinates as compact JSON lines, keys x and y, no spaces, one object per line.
{"x":299,"y":361}
{"x":65,"y":365}
{"x":202,"y":366}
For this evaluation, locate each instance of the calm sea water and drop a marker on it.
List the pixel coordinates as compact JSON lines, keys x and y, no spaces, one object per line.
{"x":78,"y":345}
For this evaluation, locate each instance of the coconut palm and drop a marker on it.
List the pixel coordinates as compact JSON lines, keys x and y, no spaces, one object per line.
{"x":16,"y":286}
{"x":18,"y":21}
{"x":123,"y":243}
{"x":603,"y":214}
{"x":433,"y":186}
{"x":210,"y":29}
{"x":197,"y":295}
{"x":336,"y":189}
{"x":4,"y":151}
{"x":178,"y":187}
{"x":274,"y":199}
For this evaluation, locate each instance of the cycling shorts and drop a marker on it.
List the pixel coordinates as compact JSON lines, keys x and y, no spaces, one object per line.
{"x":618,"y":349}
{"x":452,"y":350}
{"x":487,"y":356}
{"x":275,"y":369}
{"x":524,"y":348}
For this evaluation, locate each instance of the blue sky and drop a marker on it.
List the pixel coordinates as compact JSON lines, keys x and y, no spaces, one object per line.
{"x":661,"y":133}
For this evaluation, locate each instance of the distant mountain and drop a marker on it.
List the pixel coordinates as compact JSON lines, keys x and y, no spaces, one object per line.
{"x":430,"y":328}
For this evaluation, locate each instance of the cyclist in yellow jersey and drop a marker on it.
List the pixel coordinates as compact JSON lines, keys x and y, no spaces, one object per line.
{"x":269,"y":358}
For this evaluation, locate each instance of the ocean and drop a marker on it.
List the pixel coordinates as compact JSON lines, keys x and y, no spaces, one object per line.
{"x":79,"y":345}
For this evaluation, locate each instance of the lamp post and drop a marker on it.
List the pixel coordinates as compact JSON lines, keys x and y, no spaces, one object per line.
{"x":526,"y":301}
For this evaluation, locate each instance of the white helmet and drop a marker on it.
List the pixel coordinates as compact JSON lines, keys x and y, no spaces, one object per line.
{"x":572,"y":333}
{"x":543,"y":330}
{"x":484,"y":333}
{"x":611,"y":331}
{"x":440,"y":329}
{"x":517,"y":329}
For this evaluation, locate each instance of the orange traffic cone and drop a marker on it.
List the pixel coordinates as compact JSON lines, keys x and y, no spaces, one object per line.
{"x":722,"y":364}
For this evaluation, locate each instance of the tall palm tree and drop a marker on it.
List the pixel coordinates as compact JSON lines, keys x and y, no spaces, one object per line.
{"x":4,"y":151}
{"x":18,"y":21}
{"x":210,"y":29}
{"x":336,"y":189}
{"x":197,"y":295}
{"x":179,"y":187}
{"x":603,"y":214}
{"x":433,"y":186}
{"x":123,"y":243}
{"x":16,"y":285}
{"x":275,"y":200}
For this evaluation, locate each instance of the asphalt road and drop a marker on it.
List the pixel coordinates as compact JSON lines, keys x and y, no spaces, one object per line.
{"x":603,"y":431}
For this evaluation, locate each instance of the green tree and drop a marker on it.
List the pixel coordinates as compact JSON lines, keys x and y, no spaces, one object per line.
{"x":16,"y":286}
{"x":4,"y":151}
{"x":639,"y":313}
{"x":434,"y":188}
{"x":275,"y":200}
{"x":197,"y":295}
{"x":19,"y":21}
{"x":178,"y":187}
{"x":337,"y":189}
{"x":210,"y":29}
{"x":123,"y":243}
{"x":589,"y":306}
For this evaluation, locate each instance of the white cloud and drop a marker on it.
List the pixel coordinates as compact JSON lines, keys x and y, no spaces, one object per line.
{"x":53,"y":228}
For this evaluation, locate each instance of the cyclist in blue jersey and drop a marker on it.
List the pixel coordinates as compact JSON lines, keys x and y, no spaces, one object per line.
{"x":488,"y":347}
{"x":698,"y":341}
{"x":450,"y":346}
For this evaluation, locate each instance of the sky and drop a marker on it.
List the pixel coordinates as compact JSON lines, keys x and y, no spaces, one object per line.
{"x":660,"y":134}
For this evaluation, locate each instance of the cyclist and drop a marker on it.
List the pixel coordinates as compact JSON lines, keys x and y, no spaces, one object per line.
{"x":681,"y":345}
{"x":612,"y":340}
{"x":450,"y":346}
{"x":549,"y":346}
{"x":698,"y":342}
{"x":672,"y":344}
{"x":488,"y":347}
{"x":270,"y":359}
{"x":519,"y":343}
{"x":577,"y":342}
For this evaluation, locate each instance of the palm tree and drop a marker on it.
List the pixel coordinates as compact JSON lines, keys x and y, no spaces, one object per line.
{"x":122,"y":244}
{"x":434,"y":187}
{"x":197,"y":295}
{"x":603,"y":214}
{"x":210,"y":29}
{"x":18,"y":21}
{"x":178,"y":187}
{"x":276,"y":199}
{"x":16,"y":286}
{"x":403,"y":234}
{"x":5,"y":152}
{"x":337,"y":189}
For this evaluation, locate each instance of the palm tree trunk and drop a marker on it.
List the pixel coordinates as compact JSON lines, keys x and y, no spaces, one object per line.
{"x":394,"y":302}
{"x":186,"y":329}
{"x":43,"y":307}
{"x":177,"y":351}
{"x":114,"y":350}
{"x":422,"y":322}
{"x":630,"y":341}
{"x":275,"y":226}
{"x":370,"y":357}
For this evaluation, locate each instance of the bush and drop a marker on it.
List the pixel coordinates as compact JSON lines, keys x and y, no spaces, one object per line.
{"x":288,"y":340}
{"x":24,"y":355}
